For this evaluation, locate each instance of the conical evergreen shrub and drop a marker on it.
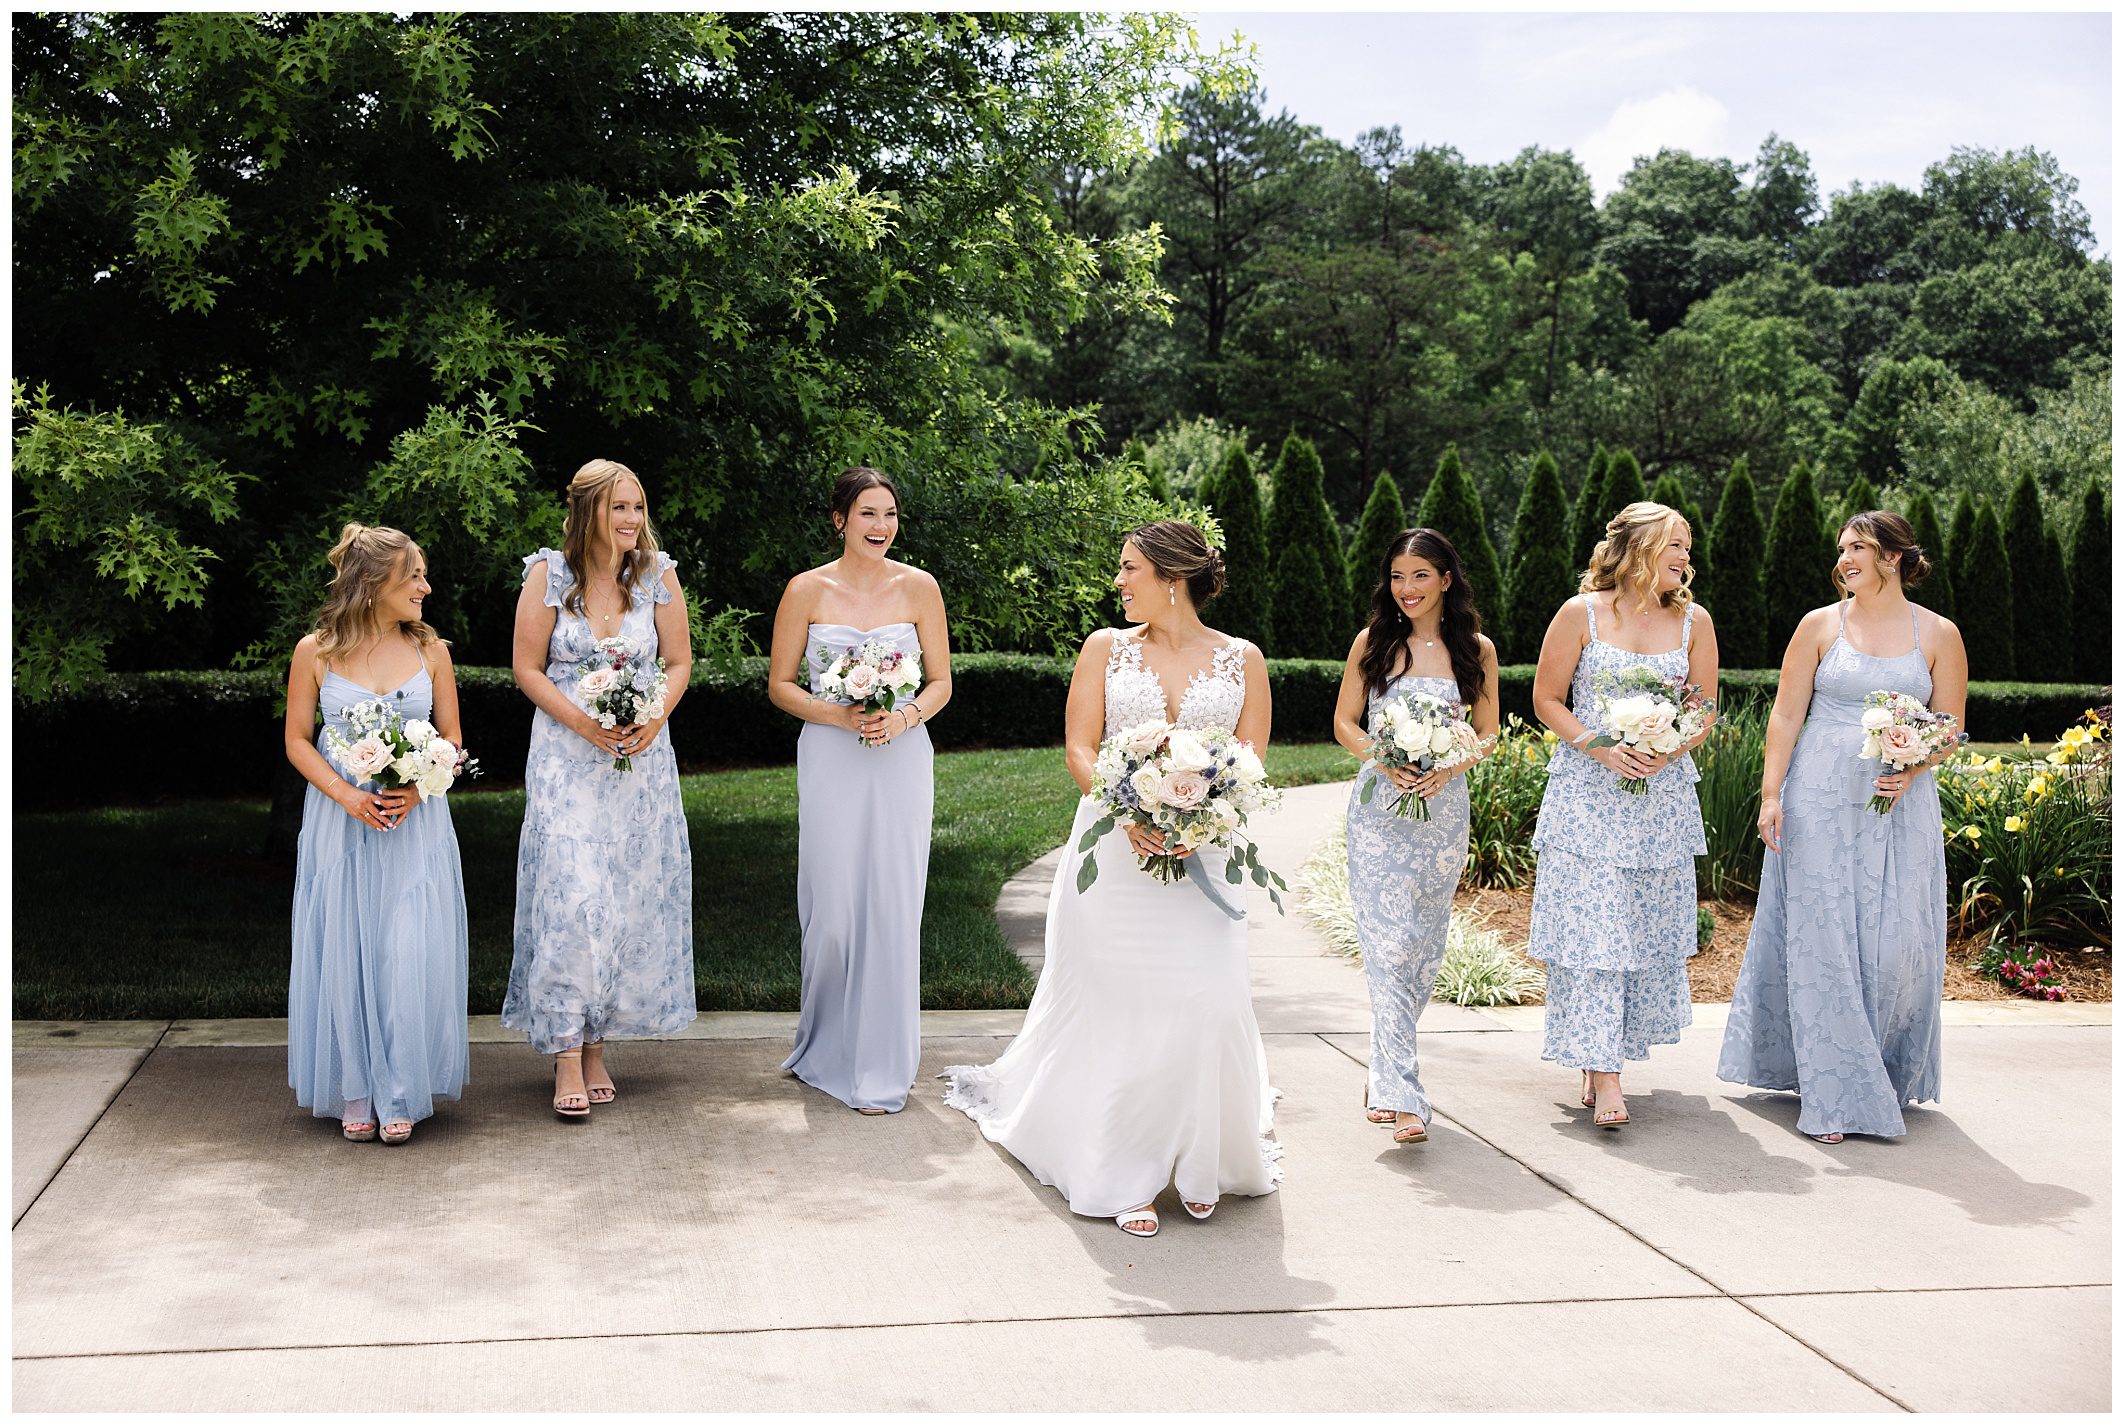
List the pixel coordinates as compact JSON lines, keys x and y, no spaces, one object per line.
{"x":1732,"y":581}
{"x":1937,"y":592}
{"x":2089,"y":566}
{"x":1859,"y":497}
{"x":1625,"y":485}
{"x":1542,"y":575}
{"x":2042,"y":600}
{"x":1669,"y":491}
{"x":1960,"y":531}
{"x":1983,"y":598}
{"x":1799,"y":565}
{"x":1588,"y":517}
{"x":1453,"y":507}
{"x":1304,"y":620}
{"x":1384,"y":517}
{"x":1234,"y":497}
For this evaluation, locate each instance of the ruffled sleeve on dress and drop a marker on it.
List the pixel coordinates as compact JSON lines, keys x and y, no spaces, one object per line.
{"x":658,"y":589}
{"x":558,"y":575}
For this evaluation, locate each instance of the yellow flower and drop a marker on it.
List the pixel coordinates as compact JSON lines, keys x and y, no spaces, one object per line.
{"x":2038,"y":788}
{"x":1976,"y":833}
{"x":2014,"y":823}
{"x":2058,"y":758}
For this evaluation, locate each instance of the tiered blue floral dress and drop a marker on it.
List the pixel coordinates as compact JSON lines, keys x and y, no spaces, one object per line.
{"x":1615,"y":885}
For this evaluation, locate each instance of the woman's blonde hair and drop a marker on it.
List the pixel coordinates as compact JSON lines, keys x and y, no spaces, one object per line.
{"x":589,"y":492}
{"x":1628,"y":558}
{"x":366,"y":558}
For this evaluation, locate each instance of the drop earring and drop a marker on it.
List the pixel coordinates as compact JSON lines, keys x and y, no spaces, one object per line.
{"x":1171,"y":597}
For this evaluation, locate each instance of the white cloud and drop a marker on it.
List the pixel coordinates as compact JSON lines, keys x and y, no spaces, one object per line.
{"x":1682,"y":117}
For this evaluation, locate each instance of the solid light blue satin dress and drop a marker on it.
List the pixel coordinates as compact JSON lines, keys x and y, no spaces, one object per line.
{"x":376,"y":982}
{"x":1403,"y":874}
{"x":862,"y":870}
{"x":1839,"y":994}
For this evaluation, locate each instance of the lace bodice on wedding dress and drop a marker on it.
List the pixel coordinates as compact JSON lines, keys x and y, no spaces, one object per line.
{"x":1213,"y":697}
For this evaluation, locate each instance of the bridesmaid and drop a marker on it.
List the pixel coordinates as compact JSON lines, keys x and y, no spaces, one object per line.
{"x":604,"y":876}
{"x":1425,"y":637}
{"x":1839,"y":994}
{"x":864,"y":792}
{"x":376,"y":985}
{"x":1615,"y":874}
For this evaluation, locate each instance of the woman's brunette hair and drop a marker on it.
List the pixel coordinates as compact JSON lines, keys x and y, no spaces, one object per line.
{"x":853,"y":481}
{"x":589,"y":494}
{"x":1181,"y":553}
{"x":1896,"y":540}
{"x":1386,"y":638}
{"x":1628,"y":558}
{"x":366,"y":558}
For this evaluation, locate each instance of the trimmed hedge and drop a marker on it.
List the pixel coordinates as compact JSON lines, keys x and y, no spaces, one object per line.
{"x":998,"y":700}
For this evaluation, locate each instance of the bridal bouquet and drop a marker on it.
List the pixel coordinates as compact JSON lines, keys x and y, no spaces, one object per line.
{"x":874,"y":673}
{"x":624,"y":685}
{"x":394,"y":752}
{"x":1197,"y":786}
{"x":1420,"y":731}
{"x":1646,"y":711}
{"x":1901,"y":732}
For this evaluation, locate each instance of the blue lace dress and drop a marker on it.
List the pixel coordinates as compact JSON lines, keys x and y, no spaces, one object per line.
{"x":1839,"y":994}
{"x":1615,"y":885}
{"x":604,"y":875}
{"x":1403,"y":874}
{"x":376,"y":983}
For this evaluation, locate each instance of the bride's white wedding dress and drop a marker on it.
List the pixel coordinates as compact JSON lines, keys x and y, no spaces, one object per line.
{"x":1140,"y":1063}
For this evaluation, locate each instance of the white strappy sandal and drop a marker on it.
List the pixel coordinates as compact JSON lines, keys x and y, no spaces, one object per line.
{"x":1141,"y":1214}
{"x":1202,"y":1216}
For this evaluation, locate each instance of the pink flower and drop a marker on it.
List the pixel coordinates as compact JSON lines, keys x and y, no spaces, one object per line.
{"x":1901,"y":744}
{"x":1185,"y":790}
{"x":860,"y":681}
{"x":597,"y":682}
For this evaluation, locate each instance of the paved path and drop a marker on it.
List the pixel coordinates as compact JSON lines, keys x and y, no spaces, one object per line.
{"x":725,"y":1239}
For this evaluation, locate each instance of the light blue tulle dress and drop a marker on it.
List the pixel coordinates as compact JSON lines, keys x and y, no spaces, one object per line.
{"x":1403,"y":874}
{"x":604,"y":873}
{"x":1614,"y":912}
{"x":1839,"y":994}
{"x":862,"y":871}
{"x":376,"y":986}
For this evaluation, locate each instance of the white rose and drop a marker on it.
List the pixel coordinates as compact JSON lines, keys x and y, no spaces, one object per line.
{"x":597,"y":682}
{"x":1143,"y":739}
{"x":1665,"y":743}
{"x":653,"y":709}
{"x":1397,"y":712}
{"x":410,"y":767}
{"x":1659,"y":719}
{"x":420,"y":733}
{"x":1413,"y":738}
{"x":908,"y":676}
{"x":437,"y":779}
{"x":368,"y":756}
{"x":443,"y":752}
{"x":1187,"y":751}
{"x":1145,"y":780}
{"x":1248,"y":764}
{"x":1874,"y":719}
{"x":861,"y":682}
{"x":1441,"y":740}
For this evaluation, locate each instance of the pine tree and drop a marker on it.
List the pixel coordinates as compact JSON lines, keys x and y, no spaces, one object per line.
{"x":2042,"y":602}
{"x":2058,"y":651}
{"x":2090,"y":585}
{"x":1625,"y":485}
{"x":1306,"y":620}
{"x":1983,"y":597}
{"x":1383,"y":518}
{"x":1733,"y":584}
{"x":1138,"y":454}
{"x":1542,"y":575}
{"x":1667,"y":490}
{"x":1798,"y":564}
{"x":1859,"y":497}
{"x":1959,"y":533}
{"x":1234,"y":497}
{"x":1937,"y":592}
{"x":1453,"y":507}
{"x":1588,"y":519}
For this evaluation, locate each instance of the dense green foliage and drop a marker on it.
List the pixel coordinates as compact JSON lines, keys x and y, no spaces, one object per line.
{"x":1542,"y":575}
{"x":1233,"y":495}
{"x":1984,"y":598}
{"x":1384,"y":517}
{"x":1588,"y":519}
{"x":1937,"y":590}
{"x":2042,"y":599}
{"x":1732,"y":584}
{"x":1799,"y":563}
{"x":2088,"y":565}
{"x":1668,"y":491}
{"x":1312,"y":576}
{"x":1625,"y":484}
{"x":1452,"y":507}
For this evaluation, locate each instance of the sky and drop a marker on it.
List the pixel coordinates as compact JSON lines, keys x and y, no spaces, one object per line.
{"x":1868,"y":97}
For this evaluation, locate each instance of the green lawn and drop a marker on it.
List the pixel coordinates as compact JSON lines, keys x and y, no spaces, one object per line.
{"x":138,"y":913}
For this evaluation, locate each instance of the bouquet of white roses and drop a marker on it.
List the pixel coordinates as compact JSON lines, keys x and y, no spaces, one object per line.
{"x":1901,"y":732}
{"x":1420,"y":731}
{"x":1196,"y":786}
{"x":1646,"y":711}
{"x":392,"y":752}
{"x":623,"y":685}
{"x":874,"y":673}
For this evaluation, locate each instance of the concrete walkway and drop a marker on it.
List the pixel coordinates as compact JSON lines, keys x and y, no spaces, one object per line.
{"x":723,"y":1238}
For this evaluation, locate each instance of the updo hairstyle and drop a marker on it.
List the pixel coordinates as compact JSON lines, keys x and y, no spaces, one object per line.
{"x":1896,"y":540}
{"x":1180,"y":553}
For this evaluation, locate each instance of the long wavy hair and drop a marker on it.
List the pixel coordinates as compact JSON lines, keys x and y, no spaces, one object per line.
{"x":1386,"y":650}
{"x":589,"y":492}
{"x":1628,"y":558}
{"x":366,"y":558}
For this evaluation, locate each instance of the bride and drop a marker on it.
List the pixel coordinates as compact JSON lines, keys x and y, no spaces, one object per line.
{"x":1139,"y":1064}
